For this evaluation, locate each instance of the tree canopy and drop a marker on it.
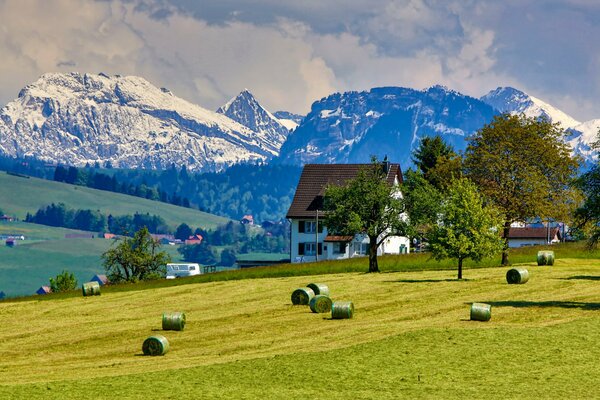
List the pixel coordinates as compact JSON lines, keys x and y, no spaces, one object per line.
{"x":467,"y":228}
{"x":588,"y":215}
{"x":63,"y":282}
{"x":524,"y":167}
{"x":438,"y":162}
{"x":136,"y":258}
{"x":366,"y":204}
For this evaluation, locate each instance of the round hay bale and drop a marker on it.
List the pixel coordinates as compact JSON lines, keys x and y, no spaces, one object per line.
{"x":342,"y":310}
{"x":173,"y":321}
{"x":320,"y":304}
{"x":91,"y":289}
{"x":319,"y":288}
{"x":302,"y":296}
{"x":545,"y":257}
{"x":481,"y":312}
{"x":517,"y":275}
{"x":156,"y":345}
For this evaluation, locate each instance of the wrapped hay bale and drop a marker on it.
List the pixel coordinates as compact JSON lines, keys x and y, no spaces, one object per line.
{"x":320,"y":304}
{"x":302,"y":296}
{"x":319,"y":288}
{"x":517,"y":275}
{"x":481,"y":312}
{"x":156,"y":345}
{"x":342,"y":310}
{"x":91,"y":289}
{"x":545,"y":257}
{"x":173,"y":321}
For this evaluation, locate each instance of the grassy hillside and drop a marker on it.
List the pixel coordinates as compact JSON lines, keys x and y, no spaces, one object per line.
{"x":411,"y":337}
{"x":46,"y":253}
{"x":22,"y":195}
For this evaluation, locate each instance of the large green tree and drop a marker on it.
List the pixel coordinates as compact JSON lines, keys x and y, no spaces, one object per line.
{"x":437,"y":161}
{"x":467,"y":228}
{"x":524,"y":167}
{"x":366,"y":204}
{"x":422,"y":203}
{"x":136,"y":258}
{"x":588,"y":215}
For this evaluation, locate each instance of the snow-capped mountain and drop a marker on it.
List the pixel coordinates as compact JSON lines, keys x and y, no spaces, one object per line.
{"x":290,"y":120}
{"x":350,"y":127}
{"x":246,"y":110}
{"x":507,"y":99}
{"x":79,"y":118}
{"x":582,"y":134}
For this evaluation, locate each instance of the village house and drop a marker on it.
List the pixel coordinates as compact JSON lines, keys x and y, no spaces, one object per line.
{"x":195,"y":239}
{"x":531,"y":236}
{"x":310,"y":240}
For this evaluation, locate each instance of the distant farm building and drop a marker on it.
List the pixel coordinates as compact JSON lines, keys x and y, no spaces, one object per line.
{"x":6,"y":218}
{"x":519,"y":237}
{"x":195,"y":239}
{"x":247,"y":220}
{"x":79,"y":235}
{"x":100,"y":278}
{"x":43,"y":290}
{"x":11,"y":242}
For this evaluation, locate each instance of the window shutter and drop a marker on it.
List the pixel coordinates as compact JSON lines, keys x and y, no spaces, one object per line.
{"x":301,"y":226}
{"x":320,"y":248}
{"x":300,"y":249}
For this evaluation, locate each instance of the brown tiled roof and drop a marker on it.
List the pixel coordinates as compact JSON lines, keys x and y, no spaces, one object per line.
{"x":314,"y":179}
{"x":332,"y":238}
{"x":531,"y":233}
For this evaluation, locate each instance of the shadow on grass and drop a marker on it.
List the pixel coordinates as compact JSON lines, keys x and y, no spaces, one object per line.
{"x":427,"y":280}
{"x":561,"y":304}
{"x":583,"y":277}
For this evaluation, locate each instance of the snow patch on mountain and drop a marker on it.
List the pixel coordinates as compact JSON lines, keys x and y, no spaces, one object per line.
{"x":77,"y":118}
{"x":245,"y":109}
{"x":507,"y":99}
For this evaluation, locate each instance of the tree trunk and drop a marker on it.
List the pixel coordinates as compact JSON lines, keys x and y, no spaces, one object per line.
{"x":505,"y":261}
{"x":460,"y":261}
{"x":373,"y":266}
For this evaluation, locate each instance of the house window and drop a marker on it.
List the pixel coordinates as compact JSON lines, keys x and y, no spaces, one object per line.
{"x":310,"y":249}
{"x":309,"y":227}
{"x":362,"y":248}
{"x":339,"y":248}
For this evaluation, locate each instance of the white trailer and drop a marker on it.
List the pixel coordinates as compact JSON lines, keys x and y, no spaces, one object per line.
{"x":178,"y":270}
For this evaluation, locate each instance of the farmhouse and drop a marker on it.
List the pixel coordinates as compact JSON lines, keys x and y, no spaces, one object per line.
{"x":310,"y":240}
{"x":194,"y":239}
{"x":43,"y":290}
{"x":519,"y":237}
{"x":100,"y":278}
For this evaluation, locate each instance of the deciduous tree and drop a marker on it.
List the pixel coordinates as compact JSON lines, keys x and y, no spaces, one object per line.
{"x":366,"y":204}
{"x":63,"y":282}
{"x":524,"y":167}
{"x":588,"y":215}
{"x":137,"y":258}
{"x":467,"y":229}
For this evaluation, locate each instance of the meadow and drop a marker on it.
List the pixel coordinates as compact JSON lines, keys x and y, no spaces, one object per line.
{"x":20,"y":195}
{"x":411,"y":337}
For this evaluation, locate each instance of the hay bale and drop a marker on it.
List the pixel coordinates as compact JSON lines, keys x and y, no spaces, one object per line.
{"x":517,"y":275}
{"x":320,"y":304}
{"x":173,"y":321}
{"x":302,"y":296}
{"x":545,"y":257}
{"x":319,"y":288}
{"x":481,"y":312}
{"x":91,"y":289}
{"x":342,"y":310}
{"x":156,"y":345}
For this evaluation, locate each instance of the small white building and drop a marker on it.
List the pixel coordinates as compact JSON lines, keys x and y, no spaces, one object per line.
{"x":526,"y":236}
{"x":310,"y":240}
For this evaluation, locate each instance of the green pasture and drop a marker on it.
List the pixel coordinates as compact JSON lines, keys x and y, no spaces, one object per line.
{"x":45,"y":253}
{"x":411,"y":337}
{"x":21,"y":195}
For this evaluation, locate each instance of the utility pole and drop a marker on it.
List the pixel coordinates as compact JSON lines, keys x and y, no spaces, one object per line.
{"x":317,"y":236}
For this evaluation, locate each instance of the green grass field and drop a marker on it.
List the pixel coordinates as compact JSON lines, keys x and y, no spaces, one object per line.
{"x":46,"y":253}
{"x":410,"y":338}
{"x":22,"y":195}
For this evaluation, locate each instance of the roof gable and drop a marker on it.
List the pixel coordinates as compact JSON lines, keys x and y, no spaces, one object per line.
{"x":315,"y":178}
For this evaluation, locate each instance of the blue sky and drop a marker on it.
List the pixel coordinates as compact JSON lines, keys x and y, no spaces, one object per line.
{"x":291,"y":53}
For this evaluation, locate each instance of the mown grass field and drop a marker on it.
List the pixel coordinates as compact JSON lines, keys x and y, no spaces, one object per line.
{"x":22,"y":195}
{"x":411,"y":338}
